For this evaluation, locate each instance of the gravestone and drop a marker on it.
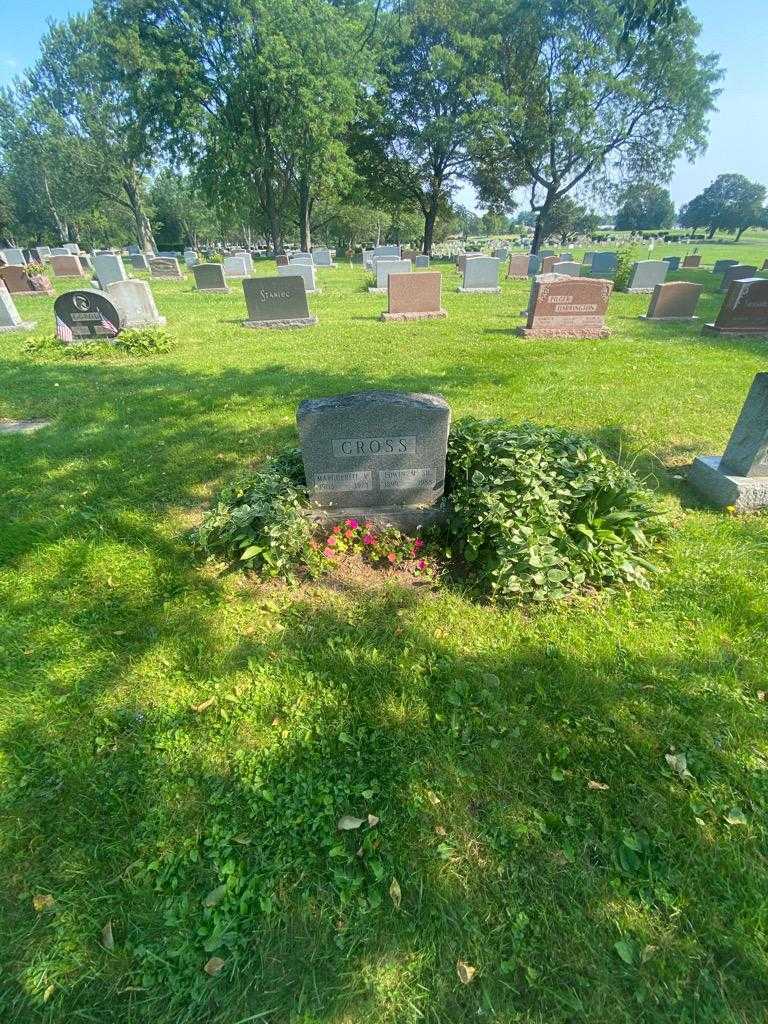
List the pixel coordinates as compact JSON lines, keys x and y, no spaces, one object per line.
{"x":461,"y":260}
{"x":67,"y":266}
{"x":282,"y":260}
{"x":692,"y":261}
{"x":534,"y":264}
{"x":587,"y":261}
{"x":740,"y":477}
{"x":85,"y":263}
{"x":517,"y":268}
{"x":604,"y":263}
{"x":306,"y":272}
{"x":14,"y":257}
{"x":19,"y":282}
{"x":380,"y":452}
{"x":548,"y":263}
{"x":386,"y":250}
{"x":165,"y":266}
{"x":421,"y":262}
{"x":499,"y":254}
{"x":248,"y":260}
{"x":134,"y":250}
{"x":209,"y":277}
{"x":566,"y":257}
{"x":139,"y":261}
{"x":277,"y":302}
{"x":414,"y":297}
{"x":9,"y":315}
{"x":737,"y":272}
{"x":675,"y":300}
{"x":481,"y":274}
{"x":721,"y":266}
{"x":546,"y":252}
{"x":568,"y":268}
{"x":86,"y":315}
{"x":235,"y":266}
{"x":322,"y":258}
{"x":303,"y":259}
{"x":568,"y":308}
{"x":136,"y":303}
{"x":409,"y":254}
{"x":646,"y":274}
{"x":673,"y":262}
{"x":109,"y":269}
{"x":190,"y":258}
{"x":744,"y":310}
{"x":72,"y":247}
{"x":42,"y":253}
{"x":59,"y":250}
{"x":386,"y":267}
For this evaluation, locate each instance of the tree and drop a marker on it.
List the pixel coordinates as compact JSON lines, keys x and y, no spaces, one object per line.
{"x":585,"y":92}
{"x":731,"y":203}
{"x":466,"y":222}
{"x":566,"y":219}
{"x":415,"y":142}
{"x":645,"y":206}
{"x":181,"y":213}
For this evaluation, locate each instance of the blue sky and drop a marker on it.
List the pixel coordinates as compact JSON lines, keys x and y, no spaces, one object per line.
{"x":738,"y":31}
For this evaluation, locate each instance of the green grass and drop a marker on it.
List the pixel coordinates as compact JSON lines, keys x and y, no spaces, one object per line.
{"x":471,"y":732}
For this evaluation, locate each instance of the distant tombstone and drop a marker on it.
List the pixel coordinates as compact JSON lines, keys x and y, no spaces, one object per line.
{"x":190,"y":257}
{"x":481,"y":274}
{"x":675,"y":300}
{"x":275,"y":302}
{"x":165,"y":266}
{"x":691,"y":262}
{"x":209,"y":277}
{"x":85,"y":315}
{"x":235,"y":266}
{"x":387,"y":250}
{"x":386,"y":267}
{"x":248,"y":260}
{"x":409,"y":254}
{"x":136,"y":303}
{"x":499,"y":254}
{"x":302,"y":258}
{"x":67,"y":266}
{"x":134,"y":250}
{"x":282,"y":260}
{"x":168,"y":255}
{"x":9,"y":315}
{"x":109,"y":269}
{"x":588,"y":258}
{"x":517,"y":268}
{"x":604,"y":263}
{"x":59,"y":250}
{"x":85,"y":263}
{"x":765,"y":265}
{"x":72,"y":247}
{"x":303,"y":270}
{"x":548,"y":264}
{"x":380,"y":452}
{"x":736,"y":273}
{"x":414,"y":297}
{"x":566,"y":257}
{"x":568,"y":308}
{"x":534,"y":264}
{"x":673,"y":262}
{"x":462,"y":258}
{"x":569,"y":268}
{"x":646,"y":274}
{"x":546,"y":252}
{"x":421,"y":262}
{"x":721,"y":266}
{"x":14,"y":257}
{"x":740,"y":477}
{"x":19,"y":282}
{"x":744,"y":310}
{"x":139,"y":261}
{"x":322,"y":258}
{"x":43,"y":253}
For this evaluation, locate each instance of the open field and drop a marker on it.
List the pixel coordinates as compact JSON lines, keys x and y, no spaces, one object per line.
{"x":470,"y":732}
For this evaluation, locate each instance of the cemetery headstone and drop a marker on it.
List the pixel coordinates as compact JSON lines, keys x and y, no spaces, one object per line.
{"x":421,"y":262}
{"x":499,"y":254}
{"x":134,"y":250}
{"x":165,"y":267}
{"x":190,"y":257}
{"x":462,"y":258}
{"x":414,"y":297}
{"x":136,"y":303}
{"x":692,"y":261}
{"x":569,"y":268}
{"x":42,"y":254}
{"x":721,"y":266}
{"x":209,"y":277}
{"x":568,"y":308}
{"x":386,"y":267}
{"x":109,"y":269}
{"x":19,"y":282}
{"x":281,"y":259}
{"x":566,"y":257}
{"x":737,"y":272}
{"x":59,"y":250}
{"x":9,"y":315}
{"x":67,"y":266}
{"x":14,"y":257}
{"x":322,"y":258}
{"x":72,"y":247}
{"x":646,"y":274}
{"x":481,"y":274}
{"x":85,"y":263}
{"x":548,"y":263}
{"x":85,"y":315}
{"x":386,"y":250}
{"x":377,"y":454}
{"x":744,"y":310}
{"x":765,"y":265}
{"x":277,"y":302}
{"x":139,"y":261}
{"x":673,"y":262}
{"x":546,"y":252}
{"x":303,"y":259}
{"x":517,"y":268}
{"x":675,"y":300}
{"x":306,"y":272}
{"x":588,"y":258}
{"x":604,"y":263}
{"x":235,"y":266}
{"x":739,"y":478}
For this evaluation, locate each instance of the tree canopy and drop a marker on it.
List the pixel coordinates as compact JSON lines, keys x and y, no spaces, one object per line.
{"x":731,"y":203}
{"x":645,"y":206}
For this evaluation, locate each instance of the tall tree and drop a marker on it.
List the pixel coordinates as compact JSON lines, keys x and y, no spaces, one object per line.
{"x":644,"y":206}
{"x":566,"y":219}
{"x":731,"y":203}
{"x":585,"y":92}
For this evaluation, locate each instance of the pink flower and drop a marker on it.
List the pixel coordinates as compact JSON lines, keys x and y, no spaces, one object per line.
{"x":332,"y":541}
{"x":349,"y":534}
{"x":392,"y":557}
{"x":417,"y":544}
{"x":421,"y":564}
{"x":336,"y":529}
{"x":328,"y":552}
{"x":369,"y":539}
{"x":368,"y":527}
{"x":352,"y":524}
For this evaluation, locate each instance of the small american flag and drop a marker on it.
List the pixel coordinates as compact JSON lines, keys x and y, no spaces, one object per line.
{"x":107,"y":325}
{"x":63,"y":333}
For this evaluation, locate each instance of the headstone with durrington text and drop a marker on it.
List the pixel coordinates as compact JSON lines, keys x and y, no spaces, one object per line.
{"x":276,"y":302}
{"x":568,"y":308}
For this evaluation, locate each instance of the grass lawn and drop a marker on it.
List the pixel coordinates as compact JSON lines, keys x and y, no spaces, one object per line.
{"x":470,"y":732}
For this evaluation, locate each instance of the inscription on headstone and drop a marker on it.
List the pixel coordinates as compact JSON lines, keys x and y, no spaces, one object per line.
{"x":568,"y":308}
{"x":165,"y":266}
{"x":744,"y":310}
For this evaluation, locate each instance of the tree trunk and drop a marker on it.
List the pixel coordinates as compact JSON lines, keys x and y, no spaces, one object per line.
{"x":430,"y":217}
{"x":61,"y":226}
{"x":712,"y":231}
{"x":740,"y":232}
{"x":538,"y":230}
{"x":305,"y":208}
{"x":144,"y":235}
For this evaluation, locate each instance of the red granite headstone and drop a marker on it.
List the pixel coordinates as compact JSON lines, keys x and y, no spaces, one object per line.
{"x":571,"y":307}
{"x":691,"y":261}
{"x":674,"y":300}
{"x":414,"y":297}
{"x":18,"y":282}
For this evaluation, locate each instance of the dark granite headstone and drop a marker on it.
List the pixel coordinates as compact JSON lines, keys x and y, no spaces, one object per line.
{"x":277,"y":302}
{"x":209,"y":277}
{"x":744,"y":310}
{"x":737,"y":272}
{"x":675,"y":300}
{"x":85,"y":315}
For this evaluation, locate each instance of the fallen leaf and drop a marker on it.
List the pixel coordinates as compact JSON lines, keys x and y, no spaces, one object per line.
{"x":48,"y":993}
{"x":465,"y":972}
{"x":395,"y":893}
{"x":736,"y":816}
{"x":200,"y":708}
{"x":214,"y":965}
{"x":433,"y":797}
{"x":597,"y":786}
{"x":679,"y":764}
{"x":41,"y":903}
{"x":347,"y":823}
{"x":373,"y":821}
{"x":107,"y":938}
{"x":647,"y":953}
{"x":625,"y":950}
{"x":215,"y":896}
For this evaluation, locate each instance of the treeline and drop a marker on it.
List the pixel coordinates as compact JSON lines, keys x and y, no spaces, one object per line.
{"x":350,"y":120}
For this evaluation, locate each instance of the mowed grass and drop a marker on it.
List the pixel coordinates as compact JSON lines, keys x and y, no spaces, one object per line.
{"x":471,"y":732}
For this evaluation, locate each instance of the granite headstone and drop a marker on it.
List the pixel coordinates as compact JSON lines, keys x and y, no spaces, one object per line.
{"x":209,"y":277}
{"x":744,"y":310}
{"x":277,"y":301}
{"x":646,"y":274}
{"x":568,"y":308}
{"x":414,"y":297}
{"x":136,"y":303}
{"x":9,"y":315}
{"x":481,"y":274}
{"x":675,"y":300}
{"x":85,"y":315}
{"x":303,"y":270}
